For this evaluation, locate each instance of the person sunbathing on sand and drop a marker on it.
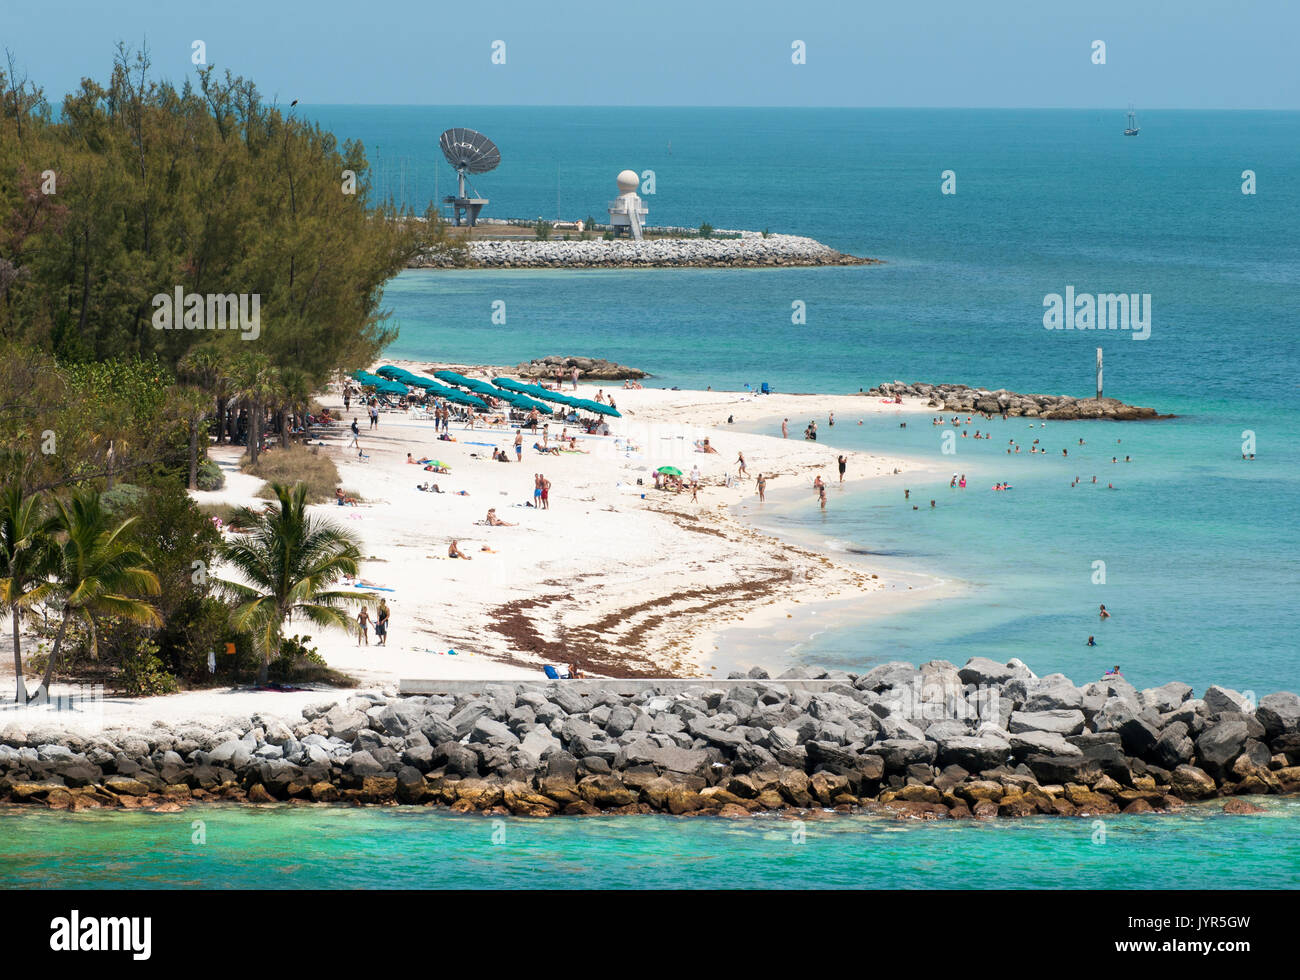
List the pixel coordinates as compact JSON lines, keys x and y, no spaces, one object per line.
{"x":454,"y":551}
{"x":705,"y":447}
{"x":494,"y":521}
{"x":550,"y":450}
{"x":410,"y":459}
{"x":343,"y":498}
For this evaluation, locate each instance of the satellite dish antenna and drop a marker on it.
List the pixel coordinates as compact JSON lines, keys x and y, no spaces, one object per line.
{"x":469,"y":152}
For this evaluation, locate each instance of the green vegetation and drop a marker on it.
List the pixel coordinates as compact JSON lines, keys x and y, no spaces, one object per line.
{"x":141,"y":189}
{"x":706,"y":229}
{"x":542,"y":230}
{"x":291,"y":561}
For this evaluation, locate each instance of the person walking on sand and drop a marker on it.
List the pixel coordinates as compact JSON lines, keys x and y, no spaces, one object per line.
{"x":785,"y":428}
{"x":356,"y":435}
{"x":740,"y":460}
{"x":374,"y":415}
{"x":363,"y":627}
{"x":843,"y":463}
{"x":381,"y":623}
{"x":519,"y":445}
{"x":761,"y":483}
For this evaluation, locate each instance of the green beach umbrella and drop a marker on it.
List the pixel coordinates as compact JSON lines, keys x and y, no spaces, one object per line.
{"x":670,"y":471}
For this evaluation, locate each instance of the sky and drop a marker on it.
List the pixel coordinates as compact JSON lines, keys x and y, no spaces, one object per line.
{"x":1189,"y":54}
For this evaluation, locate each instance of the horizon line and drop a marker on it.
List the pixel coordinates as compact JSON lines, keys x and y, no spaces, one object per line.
{"x":548,"y":105}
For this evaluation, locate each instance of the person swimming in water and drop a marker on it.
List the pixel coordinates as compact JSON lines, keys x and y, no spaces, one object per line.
{"x":1092,"y":641}
{"x":1103,"y":614}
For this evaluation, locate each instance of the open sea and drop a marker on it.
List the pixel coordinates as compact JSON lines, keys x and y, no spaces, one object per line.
{"x":1198,"y":548}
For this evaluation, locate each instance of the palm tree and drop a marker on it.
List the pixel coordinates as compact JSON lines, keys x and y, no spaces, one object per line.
{"x":256,"y":385}
{"x":193,"y":406}
{"x":96,"y":572}
{"x":24,"y":561}
{"x":289,"y":561}
{"x":205,"y":366}
{"x":293,"y":396}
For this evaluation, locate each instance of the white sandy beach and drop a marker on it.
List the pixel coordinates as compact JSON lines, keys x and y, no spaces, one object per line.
{"x":616,"y":576}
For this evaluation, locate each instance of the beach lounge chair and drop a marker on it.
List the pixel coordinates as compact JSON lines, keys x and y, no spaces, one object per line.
{"x":765,"y":389}
{"x":554,"y":674}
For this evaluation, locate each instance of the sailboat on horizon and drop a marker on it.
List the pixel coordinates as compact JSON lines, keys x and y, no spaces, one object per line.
{"x":1132,"y":129}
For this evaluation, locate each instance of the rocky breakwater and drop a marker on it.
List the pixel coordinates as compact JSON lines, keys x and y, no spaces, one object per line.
{"x":935,"y":742}
{"x":589,"y":368}
{"x":750,"y":250}
{"x":963,"y":398}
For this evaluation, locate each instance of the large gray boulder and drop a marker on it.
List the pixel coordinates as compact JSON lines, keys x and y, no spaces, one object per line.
{"x":399,"y":718}
{"x":895,"y":674}
{"x":343,"y":722}
{"x":1042,"y":743}
{"x":899,"y":753}
{"x":684,"y":761}
{"x":972,"y":753}
{"x":1061,"y":721}
{"x":1138,"y":736}
{"x":1279,"y":713}
{"x":1166,"y":697}
{"x":234,"y":754}
{"x":1059,"y":697}
{"x":1220,"y":699}
{"x":1220,"y":744}
{"x":982,"y":670}
{"x":491,"y":732}
{"x":1174,"y":747}
{"x":1113,"y":713}
{"x":1064,"y":769}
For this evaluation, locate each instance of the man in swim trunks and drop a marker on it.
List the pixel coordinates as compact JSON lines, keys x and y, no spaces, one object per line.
{"x":453,"y":551}
{"x":843,"y":463}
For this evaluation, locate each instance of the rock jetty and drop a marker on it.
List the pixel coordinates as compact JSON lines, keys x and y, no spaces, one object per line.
{"x":751,"y":250}
{"x":964,"y":398}
{"x":935,"y":742}
{"x":590,"y":368}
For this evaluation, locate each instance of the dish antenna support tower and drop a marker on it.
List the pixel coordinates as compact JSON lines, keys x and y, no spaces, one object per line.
{"x":468,"y":152}
{"x":627,"y":210}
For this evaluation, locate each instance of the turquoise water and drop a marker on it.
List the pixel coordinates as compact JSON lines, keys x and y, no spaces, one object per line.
{"x":408,"y":847}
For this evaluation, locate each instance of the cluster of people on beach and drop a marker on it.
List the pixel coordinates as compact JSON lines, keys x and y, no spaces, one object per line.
{"x":382,"y":614}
